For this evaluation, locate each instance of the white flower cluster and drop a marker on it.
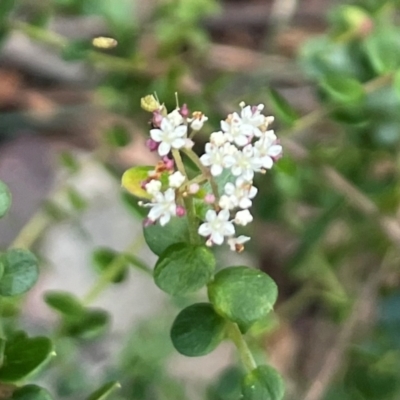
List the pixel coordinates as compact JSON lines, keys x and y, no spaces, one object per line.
{"x":244,"y":146}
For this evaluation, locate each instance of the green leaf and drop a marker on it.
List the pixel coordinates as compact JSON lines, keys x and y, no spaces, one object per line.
{"x":197,"y":330}
{"x":103,"y":258}
{"x":282,"y":109}
{"x":31,"y":392}
{"x":5,"y":199}
{"x":159,"y":238}
{"x":132,"y":181}
{"x":20,"y":272}
{"x":243,"y":295}
{"x":381,"y":49}
{"x":184,"y":268}
{"x":23,"y":355}
{"x":263,"y":383}
{"x":69,"y":161}
{"x":103,"y":392}
{"x":64,"y":302}
{"x":76,"y":200}
{"x":88,"y":326}
{"x":343,"y":89}
{"x":118,"y":136}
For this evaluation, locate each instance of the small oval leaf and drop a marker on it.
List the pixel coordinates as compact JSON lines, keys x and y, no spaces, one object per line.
{"x":282,"y":108}
{"x":197,"y":330}
{"x":91,"y":324}
{"x":31,"y":392}
{"x":263,"y":383}
{"x":20,"y":272}
{"x":64,"y":302}
{"x":102,"y":260}
{"x":243,"y":295}
{"x":159,"y":238}
{"x":5,"y":199}
{"x":23,"y":355}
{"x":184,"y":268}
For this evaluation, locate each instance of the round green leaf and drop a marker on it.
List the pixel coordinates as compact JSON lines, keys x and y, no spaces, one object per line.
{"x":132,"y":181}
{"x":159,"y":238}
{"x":184,"y":268}
{"x":103,"y":258}
{"x":243,"y":295}
{"x":197,"y":330}
{"x":342,"y":89}
{"x":64,"y":302}
{"x":23,"y":355}
{"x":263,"y":383}
{"x":381,"y":50}
{"x":103,"y":392}
{"x":31,"y":392}
{"x":5,"y":199}
{"x":20,"y":272}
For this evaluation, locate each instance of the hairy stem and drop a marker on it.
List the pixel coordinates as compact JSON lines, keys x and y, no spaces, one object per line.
{"x":245,"y":354}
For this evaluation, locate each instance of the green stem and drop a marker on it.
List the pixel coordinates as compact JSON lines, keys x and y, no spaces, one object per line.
{"x":193,"y":156}
{"x":189,"y":205}
{"x":245,"y":354}
{"x":114,"y":268}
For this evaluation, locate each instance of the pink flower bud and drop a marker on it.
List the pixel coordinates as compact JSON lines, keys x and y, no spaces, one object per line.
{"x":169,"y":163}
{"x":152,"y":145}
{"x":194,"y":188}
{"x":157,"y":119}
{"x":184,"y":111}
{"x":209,"y":198}
{"x":180,"y":211}
{"x":147,"y":222}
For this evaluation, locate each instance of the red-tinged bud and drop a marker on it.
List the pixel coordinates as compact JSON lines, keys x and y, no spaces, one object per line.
{"x":147,"y":222}
{"x":209,"y":198}
{"x":180,"y":211}
{"x":152,"y":145}
{"x":184,"y":111}
{"x":169,"y":163}
{"x":157,"y":119}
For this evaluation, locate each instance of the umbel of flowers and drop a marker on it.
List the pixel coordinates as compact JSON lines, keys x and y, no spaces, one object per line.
{"x":242,"y":147}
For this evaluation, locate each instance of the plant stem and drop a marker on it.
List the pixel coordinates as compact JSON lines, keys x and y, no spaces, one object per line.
{"x":245,"y":354}
{"x":189,"y":206}
{"x":114,"y":268}
{"x":193,"y":156}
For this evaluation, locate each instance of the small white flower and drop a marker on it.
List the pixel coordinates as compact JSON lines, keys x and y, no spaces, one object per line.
{"x":215,"y":157}
{"x":236,"y":244}
{"x":239,"y":194}
{"x":244,"y":163}
{"x":176,"y":179}
{"x":198,"y":120}
{"x":233,"y":128}
{"x":163,"y":207}
{"x":243,"y":217}
{"x":175,"y":118}
{"x":217,"y":227}
{"x":153,"y":187}
{"x":268,"y":149}
{"x":252,"y":119}
{"x":218,"y":138}
{"x":169,"y":136}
